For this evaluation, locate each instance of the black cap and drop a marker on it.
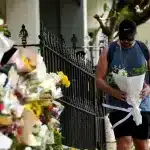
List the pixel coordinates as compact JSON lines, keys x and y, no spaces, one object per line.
{"x":127,"y":28}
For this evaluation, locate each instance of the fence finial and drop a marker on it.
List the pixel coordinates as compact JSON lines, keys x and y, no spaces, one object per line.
{"x":23,"y":35}
{"x":74,"y":41}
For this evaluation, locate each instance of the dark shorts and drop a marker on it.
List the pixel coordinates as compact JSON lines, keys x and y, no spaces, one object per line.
{"x":129,"y":128}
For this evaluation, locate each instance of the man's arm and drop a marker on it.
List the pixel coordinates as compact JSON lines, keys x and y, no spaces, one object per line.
{"x":101,"y":72}
{"x":146,"y":88}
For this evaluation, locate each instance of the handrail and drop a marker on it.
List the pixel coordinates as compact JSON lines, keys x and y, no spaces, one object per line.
{"x":66,"y":59}
{"x":19,"y":45}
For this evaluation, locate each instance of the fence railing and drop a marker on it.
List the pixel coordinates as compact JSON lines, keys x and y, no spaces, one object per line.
{"x":82,"y":119}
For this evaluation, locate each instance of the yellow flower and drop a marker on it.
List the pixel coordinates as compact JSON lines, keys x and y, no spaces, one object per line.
{"x":34,"y":107}
{"x":68,"y":84}
{"x":44,"y":103}
{"x":28,"y":107}
{"x":60,"y":73}
{"x":27,"y":63}
{"x":64,"y":79}
{"x":57,"y":132}
{"x":37,"y":109}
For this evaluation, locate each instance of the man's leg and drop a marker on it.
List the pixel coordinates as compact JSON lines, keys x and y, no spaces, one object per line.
{"x":141,"y":144}
{"x":141,"y":133}
{"x":123,"y":132}
{"x":124,"y":143}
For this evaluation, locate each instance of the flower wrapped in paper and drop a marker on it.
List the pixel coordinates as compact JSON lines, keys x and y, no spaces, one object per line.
{"x":5,"y":44}
{"x":10,"y":101}
{"x":39,"y":84}
{"x":132,"y":86}
{"x":22,"y":59}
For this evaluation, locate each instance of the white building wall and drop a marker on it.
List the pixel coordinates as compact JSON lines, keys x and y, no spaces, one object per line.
{"x":25,"y":12}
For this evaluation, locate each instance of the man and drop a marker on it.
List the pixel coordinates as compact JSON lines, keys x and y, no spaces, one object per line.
{"x":126,"y":53}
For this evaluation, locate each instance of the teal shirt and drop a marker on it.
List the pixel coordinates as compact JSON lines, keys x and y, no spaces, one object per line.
{"x":128,"y":58}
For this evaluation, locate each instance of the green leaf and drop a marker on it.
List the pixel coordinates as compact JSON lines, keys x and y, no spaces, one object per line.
{"x":141,"y":70}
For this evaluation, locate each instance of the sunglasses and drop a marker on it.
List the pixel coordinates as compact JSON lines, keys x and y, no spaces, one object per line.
{"x":127,"y":39}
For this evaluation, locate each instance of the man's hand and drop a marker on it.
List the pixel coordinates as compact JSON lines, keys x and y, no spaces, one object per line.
{"x":120,"y":95}
{"x":145,"y":92}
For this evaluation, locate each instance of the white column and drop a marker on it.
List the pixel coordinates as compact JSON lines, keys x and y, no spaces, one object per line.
{"x":85,"y":22}
{"x":23,"y":12}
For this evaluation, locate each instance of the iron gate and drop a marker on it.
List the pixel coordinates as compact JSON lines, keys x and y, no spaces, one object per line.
{"x":82,"y":120}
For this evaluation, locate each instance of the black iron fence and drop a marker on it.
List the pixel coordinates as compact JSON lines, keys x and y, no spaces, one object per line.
{"x":82,"y":120}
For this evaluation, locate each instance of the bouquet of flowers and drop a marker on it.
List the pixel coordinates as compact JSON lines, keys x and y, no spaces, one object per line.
{"x":29,"y":112}
{"x":132,"y":86}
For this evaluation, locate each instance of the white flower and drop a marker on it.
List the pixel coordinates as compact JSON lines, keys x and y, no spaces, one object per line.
{"x":55,"y":77}
{"x":18,"y":109}
{"x":48,"y":84}
{"x":33,"y":96}
{"x":3,"y":78}
{"x":54,"y":121}
{"x":36,"y":129}
{"x":39,"y":141}
{"x":56,"y":93}
{"x":43,"y":131}
{"x":28,"y":148}
{"x":12,"y":103}
{"x":40,"y":68}
{"x":57,"y":103}
{"x":123,"y":72}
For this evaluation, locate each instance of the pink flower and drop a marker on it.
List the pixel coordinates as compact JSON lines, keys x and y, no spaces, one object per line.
{"x":1,"y":106}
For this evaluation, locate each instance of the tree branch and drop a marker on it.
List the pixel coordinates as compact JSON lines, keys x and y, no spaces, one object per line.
{"x":116,"y":35}
{"x":104,"y":28}
{"x":143,"y":4}
{"x":142,"y":17}
{"x":113,"y":9}
{"x":138,"y":2}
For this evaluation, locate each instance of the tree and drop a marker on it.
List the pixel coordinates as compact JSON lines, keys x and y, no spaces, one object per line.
{"x":137,"y":10}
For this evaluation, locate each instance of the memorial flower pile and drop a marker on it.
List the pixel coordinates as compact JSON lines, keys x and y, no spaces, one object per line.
{"x":29,"y":110}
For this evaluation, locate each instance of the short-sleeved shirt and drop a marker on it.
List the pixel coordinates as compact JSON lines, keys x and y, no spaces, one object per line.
{"x":128,"y":59}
